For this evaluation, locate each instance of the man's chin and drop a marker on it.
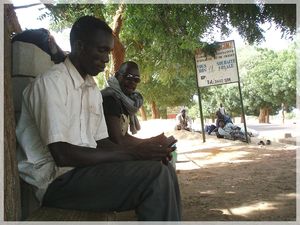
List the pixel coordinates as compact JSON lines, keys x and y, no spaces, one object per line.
{"x":95,"y":73}
{"x":128,"y":92}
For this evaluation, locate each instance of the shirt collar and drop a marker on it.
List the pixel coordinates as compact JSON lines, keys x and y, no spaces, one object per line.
{"x":77,"y":79}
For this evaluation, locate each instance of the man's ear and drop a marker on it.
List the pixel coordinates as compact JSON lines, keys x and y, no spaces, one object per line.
{"x":118,"y":75}
{"x":79,"y":46}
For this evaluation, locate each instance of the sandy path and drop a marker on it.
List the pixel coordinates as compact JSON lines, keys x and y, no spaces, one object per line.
{"x":236,"y":181}
{"x":223,"y":180}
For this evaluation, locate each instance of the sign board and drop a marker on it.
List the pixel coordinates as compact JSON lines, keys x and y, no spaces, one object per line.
{"x":219,"y":70}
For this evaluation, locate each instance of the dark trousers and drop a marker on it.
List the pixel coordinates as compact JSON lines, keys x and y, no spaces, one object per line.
{"x":149,"y":187}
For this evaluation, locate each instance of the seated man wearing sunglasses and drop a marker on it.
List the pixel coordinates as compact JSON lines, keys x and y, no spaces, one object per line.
{"x":121,"y":103}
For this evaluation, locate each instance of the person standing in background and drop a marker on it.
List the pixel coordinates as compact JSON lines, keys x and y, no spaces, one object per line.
{"x":222,"y":109}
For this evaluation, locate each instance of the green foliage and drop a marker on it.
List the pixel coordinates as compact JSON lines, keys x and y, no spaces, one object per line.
{"x":101,"y":81}
{"x":209,"y":49}
{"x":290,"y":115}
{"x":193,"y":110}
{"x":162,"y":39}
{"x":173,"y":93}
{"x":228,"y":95}
{"x":64,"y":15}
{"x":270,"y":80}
{"x":284,"y":21}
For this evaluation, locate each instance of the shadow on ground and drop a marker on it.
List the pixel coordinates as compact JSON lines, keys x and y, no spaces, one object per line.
{"x":235,"y":181}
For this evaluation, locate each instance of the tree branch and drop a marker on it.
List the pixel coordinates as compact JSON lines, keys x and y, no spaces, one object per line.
{"x":26,"y":6}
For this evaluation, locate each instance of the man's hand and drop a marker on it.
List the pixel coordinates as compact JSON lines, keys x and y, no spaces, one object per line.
{"x":169,"y":156}
{"x":160,"y":139}
{"x":149,"y":151}
{"x":163,"y":140}
{"x":155,"y":148}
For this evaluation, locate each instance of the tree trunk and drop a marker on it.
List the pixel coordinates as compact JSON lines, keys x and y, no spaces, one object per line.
{"x":163,"y":113}
{"x":283,"y":108}
{"x":242,"y":119}
{"x":143,"y":113}
{"x":263,"y":115}
{"x":157,"y":113}
{"x":154,"y":110}
{"x":118,"y":53}
{"x":12,"y":23}
{"x":267,"y":115}
{"x":12,"y":196}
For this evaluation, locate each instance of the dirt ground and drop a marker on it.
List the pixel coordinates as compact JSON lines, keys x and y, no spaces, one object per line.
{"x":224,"y":180}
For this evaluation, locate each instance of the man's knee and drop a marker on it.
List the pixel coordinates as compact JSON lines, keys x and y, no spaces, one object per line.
{"x":158,"y":169}
{"x":178,"y":127}
{"x":167,"y":174}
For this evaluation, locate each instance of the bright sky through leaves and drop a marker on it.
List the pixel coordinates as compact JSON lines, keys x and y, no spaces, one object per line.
{"x":28,"y":20}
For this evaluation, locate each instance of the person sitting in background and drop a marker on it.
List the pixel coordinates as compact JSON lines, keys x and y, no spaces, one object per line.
{"x":225,"y":118}
{"x":210,"y":128}
{"x":214,"y":128}
{"x":183,"y":121}
{"x":232,"y":132}
{"x":44,"y":40}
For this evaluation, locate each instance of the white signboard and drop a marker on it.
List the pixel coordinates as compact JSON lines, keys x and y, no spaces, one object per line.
{"x":219,"y":70}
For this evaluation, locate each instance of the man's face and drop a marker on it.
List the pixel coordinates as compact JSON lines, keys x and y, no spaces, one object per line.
{"x":95,"y":52}
{"x":128,"y":81}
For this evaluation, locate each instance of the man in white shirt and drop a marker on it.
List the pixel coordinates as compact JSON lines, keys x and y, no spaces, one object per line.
{"x":183,"y":121}
{"x":222,"y":109}
{"x":65,"y":152}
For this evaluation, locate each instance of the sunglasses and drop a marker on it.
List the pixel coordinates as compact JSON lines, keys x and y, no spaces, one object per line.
{"x":132,"y":77}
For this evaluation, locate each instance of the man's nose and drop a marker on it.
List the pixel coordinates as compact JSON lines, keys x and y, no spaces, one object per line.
{"x":105,"y":58}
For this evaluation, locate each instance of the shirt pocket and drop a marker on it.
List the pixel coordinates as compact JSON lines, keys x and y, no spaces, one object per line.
{"x":95,"y":117}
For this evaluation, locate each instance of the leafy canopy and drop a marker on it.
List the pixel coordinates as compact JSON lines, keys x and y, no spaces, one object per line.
{"x":162,"y":39}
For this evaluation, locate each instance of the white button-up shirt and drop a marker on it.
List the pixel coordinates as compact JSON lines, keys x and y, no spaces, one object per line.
{"x":58,"y":106}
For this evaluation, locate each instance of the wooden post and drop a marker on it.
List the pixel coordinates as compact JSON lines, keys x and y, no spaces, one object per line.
{"x":118,"y":53}
{"x":143,"y":113}
{"x":12,"y":197}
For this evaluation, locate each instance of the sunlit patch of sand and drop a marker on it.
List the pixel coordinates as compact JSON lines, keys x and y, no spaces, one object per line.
{"x":245,"y":210}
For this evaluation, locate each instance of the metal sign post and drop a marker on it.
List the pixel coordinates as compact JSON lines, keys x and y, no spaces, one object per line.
{"x":241,"y":98}
{"x":200,"y":106}
{"x":218,"y":70}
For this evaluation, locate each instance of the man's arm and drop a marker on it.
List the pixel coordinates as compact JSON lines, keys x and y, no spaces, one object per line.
{"x":113,"y":110}
{"x":221,"y":131}
{"x":66,"y":154}
{"x":115,"y":133}
{"x":153,"y":148}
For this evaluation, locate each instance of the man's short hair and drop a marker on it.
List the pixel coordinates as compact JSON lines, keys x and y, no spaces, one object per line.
{"x":85,"y":27}
{"x":126,"y":66}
